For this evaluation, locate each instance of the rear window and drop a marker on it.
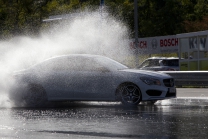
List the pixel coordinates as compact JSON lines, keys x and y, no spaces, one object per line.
{"x":174,"y":62}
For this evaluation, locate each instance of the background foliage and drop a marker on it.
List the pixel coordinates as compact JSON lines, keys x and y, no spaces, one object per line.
{"x":156,"y":17}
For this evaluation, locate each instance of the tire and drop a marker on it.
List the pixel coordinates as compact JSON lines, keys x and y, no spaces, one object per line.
{"x":130,"y":94}
{"x":35,"y":96}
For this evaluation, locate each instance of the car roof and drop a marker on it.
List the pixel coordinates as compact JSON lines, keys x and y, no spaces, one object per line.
{"x":163,"y":58}
{"x":75,"y":55}
{"x":68,"y":56}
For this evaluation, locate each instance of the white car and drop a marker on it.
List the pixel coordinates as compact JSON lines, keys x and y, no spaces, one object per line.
{"x":84,"y":77}
{"x":160,"y":64}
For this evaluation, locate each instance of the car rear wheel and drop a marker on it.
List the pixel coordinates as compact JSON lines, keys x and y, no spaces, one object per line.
{"x":35,"y":96}
{"x":130,"y":94}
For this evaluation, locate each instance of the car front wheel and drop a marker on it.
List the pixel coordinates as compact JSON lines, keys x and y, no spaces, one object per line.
{"x":130,"y":94}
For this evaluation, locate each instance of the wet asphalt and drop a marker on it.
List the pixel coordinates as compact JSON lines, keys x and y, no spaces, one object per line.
{"x":184,"y":117}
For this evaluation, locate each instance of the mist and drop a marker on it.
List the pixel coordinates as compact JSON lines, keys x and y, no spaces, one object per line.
{"x":85,"y":33}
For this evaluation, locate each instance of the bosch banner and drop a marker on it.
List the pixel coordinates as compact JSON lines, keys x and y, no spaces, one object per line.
{"x":156,"y":45}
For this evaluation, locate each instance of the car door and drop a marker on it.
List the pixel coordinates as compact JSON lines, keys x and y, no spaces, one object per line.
{"x":95,"y":82}
{"x":61,"y":79}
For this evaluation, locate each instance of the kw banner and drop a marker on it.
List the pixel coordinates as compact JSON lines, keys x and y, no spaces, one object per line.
{"x":156,"y":45}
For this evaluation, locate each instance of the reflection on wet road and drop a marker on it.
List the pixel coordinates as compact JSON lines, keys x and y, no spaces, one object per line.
{"x":106,"y":120}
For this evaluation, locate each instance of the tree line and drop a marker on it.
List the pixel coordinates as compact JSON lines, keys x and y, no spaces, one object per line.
{"x":155,"y":17}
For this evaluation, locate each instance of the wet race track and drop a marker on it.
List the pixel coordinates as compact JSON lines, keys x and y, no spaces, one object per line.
{"x":184,"y":117}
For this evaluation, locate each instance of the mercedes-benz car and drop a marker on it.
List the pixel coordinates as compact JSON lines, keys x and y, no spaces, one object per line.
{"x":160,"y":64}
{"x":85,"y":77}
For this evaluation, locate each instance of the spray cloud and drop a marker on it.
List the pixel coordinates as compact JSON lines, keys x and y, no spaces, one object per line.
{"x":88,"y":32}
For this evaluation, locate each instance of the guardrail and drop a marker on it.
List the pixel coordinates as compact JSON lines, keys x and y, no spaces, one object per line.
{"x":189,"y":78}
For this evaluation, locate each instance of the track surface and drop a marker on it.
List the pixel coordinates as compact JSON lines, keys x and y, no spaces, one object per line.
{"x":184,"y":117}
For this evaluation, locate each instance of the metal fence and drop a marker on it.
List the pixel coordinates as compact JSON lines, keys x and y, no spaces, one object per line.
{"x":189,"y":78}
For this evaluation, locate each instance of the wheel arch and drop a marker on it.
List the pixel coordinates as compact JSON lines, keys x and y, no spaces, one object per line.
{"x":32,"y":84}
{"x":117,"y":95}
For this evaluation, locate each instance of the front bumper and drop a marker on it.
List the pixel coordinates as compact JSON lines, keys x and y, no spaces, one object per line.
{"x":157,"y":94}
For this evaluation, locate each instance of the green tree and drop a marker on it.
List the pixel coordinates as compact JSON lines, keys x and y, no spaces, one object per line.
{"x":161,"y":17}
{"x":20,"y":17}
{"x":55,"y":7}
{"x":156,"y":17}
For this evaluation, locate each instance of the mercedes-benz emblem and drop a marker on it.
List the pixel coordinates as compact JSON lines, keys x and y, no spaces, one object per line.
{"x":154,"y":43}
{"x":171,"y":82}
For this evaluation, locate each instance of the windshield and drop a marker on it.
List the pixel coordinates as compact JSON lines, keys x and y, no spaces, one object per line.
{"x":150,"y":63}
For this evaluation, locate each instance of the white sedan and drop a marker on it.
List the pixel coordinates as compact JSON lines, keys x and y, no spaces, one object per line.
{"x":84,"y":77}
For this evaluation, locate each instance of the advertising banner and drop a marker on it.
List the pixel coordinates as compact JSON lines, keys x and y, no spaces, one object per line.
{"x":156,"y":45}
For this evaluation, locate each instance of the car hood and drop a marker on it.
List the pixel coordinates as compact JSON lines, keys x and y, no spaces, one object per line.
{"x":147,"y":73}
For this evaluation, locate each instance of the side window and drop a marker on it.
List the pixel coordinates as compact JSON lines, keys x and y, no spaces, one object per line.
{"x":165,"y":62}
{"x":59,"y":64}
{"x":174,"y":62}
{"x":91,"y":65}
{"x":74,"y":64}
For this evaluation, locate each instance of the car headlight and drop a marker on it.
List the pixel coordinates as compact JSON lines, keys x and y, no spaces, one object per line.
{"x":150,"y":81}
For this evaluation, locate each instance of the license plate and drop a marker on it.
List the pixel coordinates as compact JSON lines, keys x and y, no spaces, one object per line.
{"x":172,"y":90}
